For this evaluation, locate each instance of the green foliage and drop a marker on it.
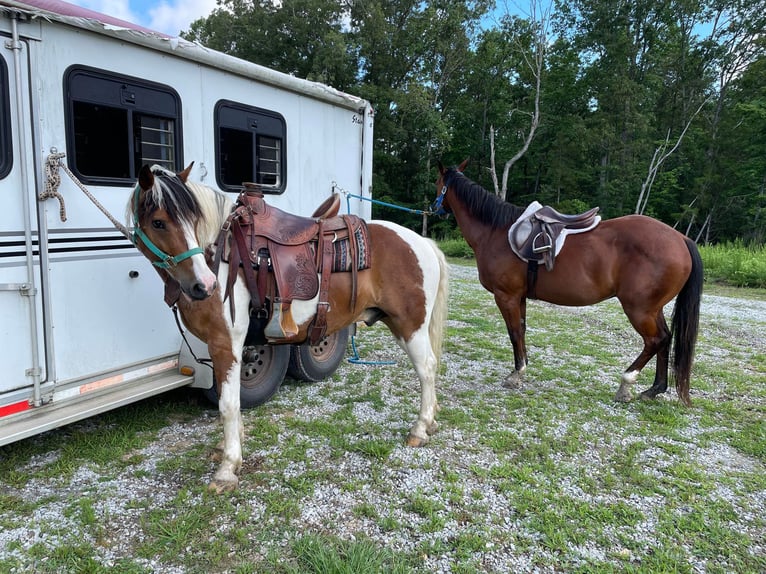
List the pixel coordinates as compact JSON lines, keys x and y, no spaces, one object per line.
{"x":735,"y":263}
{"x":456,"y":248}
{"x":621,"y":83}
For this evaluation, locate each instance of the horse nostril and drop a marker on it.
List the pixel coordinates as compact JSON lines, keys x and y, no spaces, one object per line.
{"x":198,"y":291}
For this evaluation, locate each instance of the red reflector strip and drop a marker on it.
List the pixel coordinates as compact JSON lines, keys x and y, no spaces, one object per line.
{"x":14,"y":408}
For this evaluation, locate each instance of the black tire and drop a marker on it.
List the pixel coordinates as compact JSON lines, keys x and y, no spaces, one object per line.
{"x":263,"y":369}
{"x":317,"y":362}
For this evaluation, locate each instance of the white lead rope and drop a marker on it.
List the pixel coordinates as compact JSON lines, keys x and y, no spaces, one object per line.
{"x":52,"y":181}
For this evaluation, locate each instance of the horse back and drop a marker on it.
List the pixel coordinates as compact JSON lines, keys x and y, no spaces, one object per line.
{"x":622,"y":256}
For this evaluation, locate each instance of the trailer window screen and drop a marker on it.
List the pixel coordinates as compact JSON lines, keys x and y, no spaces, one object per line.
{"x":250,"y":146}
{"x":116,"y":124}
{"x":6,"y":148}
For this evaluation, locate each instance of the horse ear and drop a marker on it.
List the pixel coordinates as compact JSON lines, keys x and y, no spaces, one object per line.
{"x":145,"y":177}
{"x":441,"y":166}
{"x":461,"y":167}
{"x":184,"y":175}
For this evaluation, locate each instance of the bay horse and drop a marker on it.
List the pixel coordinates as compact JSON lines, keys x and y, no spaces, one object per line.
{"x":177,"y":223}
{"x":639,"y":260}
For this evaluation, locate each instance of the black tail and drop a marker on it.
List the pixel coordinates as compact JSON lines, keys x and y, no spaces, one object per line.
{"x":685,"y":324}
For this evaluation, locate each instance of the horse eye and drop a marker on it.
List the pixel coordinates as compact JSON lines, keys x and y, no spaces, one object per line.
{"x":158,"y":224}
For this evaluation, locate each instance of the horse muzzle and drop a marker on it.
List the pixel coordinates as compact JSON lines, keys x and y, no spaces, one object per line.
{"x":199,"y":291}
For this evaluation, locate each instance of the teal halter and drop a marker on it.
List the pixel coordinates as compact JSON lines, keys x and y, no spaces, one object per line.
{"x":166,"y":261}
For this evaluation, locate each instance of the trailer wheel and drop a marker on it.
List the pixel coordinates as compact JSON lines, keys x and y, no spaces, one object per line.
{"x":317,"y":362}
{"x":263,"y":370}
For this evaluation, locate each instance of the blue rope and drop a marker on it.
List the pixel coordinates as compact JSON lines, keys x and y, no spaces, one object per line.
{"x":407,"y":209}
{"x":357,"y":361}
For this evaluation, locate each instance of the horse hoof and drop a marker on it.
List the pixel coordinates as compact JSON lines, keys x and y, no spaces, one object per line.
{"x":432,"y":428}
{"x":416,"y":441}
{"x":623,"y":397}
{"x":219,"y":486}
{"x":512,"y":382}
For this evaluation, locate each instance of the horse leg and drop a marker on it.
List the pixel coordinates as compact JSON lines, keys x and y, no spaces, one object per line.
{"x":228,"y":378}
{"x":419,"y":350}
{"x":225,"y":344}
{"x":660,"y":384}
{"x":514,"y":312}
{"x":656,"y":337}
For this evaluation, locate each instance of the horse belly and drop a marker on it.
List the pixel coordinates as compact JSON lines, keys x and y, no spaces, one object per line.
{"x":583,"y":273}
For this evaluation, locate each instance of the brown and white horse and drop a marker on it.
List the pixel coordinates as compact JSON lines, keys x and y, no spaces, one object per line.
{"x":176,"y":225}
{"x":639,"y":260}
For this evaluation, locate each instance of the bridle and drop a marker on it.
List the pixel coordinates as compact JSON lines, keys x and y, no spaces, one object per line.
{"x":436,"y":207}
{"x":166,"y":261}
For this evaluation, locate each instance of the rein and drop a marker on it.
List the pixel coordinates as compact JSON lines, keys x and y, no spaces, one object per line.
{"x":166,"y":261}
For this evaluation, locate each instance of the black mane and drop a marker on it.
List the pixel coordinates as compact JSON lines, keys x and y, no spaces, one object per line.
{"x":486,"y":207}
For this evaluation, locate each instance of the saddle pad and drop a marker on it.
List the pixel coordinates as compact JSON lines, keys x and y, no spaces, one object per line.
{"x":342,"y":251}
{"x":519,"y":232}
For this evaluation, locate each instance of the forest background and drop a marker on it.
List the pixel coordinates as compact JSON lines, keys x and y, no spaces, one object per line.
{"x":650,"y":106}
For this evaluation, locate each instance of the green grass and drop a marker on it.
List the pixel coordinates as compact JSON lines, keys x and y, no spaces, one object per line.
{"x":735,"y":264}
{"x":553,"y":477}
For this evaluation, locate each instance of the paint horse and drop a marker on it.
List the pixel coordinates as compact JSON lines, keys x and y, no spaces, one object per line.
{"x":639,"y":260}
{"x":177,"y":224}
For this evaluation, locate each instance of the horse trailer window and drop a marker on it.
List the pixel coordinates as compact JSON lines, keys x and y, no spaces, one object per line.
{"x":250,"y":146}
{"x":6,"y":149}
{"x":116,"y":124}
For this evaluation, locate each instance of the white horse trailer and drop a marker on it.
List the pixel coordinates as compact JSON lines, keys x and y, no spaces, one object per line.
{"x":85,"y":100}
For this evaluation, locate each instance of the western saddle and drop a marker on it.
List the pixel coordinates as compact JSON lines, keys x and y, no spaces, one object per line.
{"x":285,"y":257}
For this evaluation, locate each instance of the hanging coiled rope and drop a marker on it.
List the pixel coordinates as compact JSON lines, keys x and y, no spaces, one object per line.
{"x":53,"y":164}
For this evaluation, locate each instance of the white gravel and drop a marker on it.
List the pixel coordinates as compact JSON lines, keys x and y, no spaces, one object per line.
{"x":468,"y":503}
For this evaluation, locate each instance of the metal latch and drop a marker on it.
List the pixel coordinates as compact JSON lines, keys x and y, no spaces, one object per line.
{"x":26,"y":289}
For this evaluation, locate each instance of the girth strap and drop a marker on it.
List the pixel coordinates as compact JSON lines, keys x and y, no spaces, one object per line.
{"x":532,"y":280}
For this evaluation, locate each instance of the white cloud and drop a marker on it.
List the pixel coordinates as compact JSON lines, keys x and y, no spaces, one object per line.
{"x":170,"y":17}
{"x":116,"y":8}
{"x":173,"y":18}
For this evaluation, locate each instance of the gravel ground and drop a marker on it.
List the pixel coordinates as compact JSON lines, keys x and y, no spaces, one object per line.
{"x":331,"y":508}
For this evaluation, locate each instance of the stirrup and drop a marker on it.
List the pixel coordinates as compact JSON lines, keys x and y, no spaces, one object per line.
{"x":281,"y":325}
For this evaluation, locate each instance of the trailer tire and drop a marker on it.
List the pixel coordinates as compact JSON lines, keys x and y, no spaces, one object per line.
{"x":317,"y":362}
{"x":263,"y":369}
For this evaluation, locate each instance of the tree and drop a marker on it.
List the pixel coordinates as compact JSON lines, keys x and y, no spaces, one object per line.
{"x":305,"y":38}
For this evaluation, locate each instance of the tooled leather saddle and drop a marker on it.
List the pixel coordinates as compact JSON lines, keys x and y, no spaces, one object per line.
{"x":285,"y":257}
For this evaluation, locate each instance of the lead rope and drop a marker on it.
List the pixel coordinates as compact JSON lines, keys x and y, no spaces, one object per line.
{"x":207,"y":362}
{"x":53,"y":180}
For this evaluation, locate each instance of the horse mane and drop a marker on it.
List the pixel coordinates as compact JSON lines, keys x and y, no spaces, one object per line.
{"x":484,"y":206}
{"x":202,"y":206}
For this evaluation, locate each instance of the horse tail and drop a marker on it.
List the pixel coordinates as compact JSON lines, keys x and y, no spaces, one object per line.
{"x":685,"y":324}
{"x":439,"y":312}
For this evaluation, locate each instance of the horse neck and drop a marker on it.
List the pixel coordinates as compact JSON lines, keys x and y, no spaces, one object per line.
{"x":475,"y":232}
